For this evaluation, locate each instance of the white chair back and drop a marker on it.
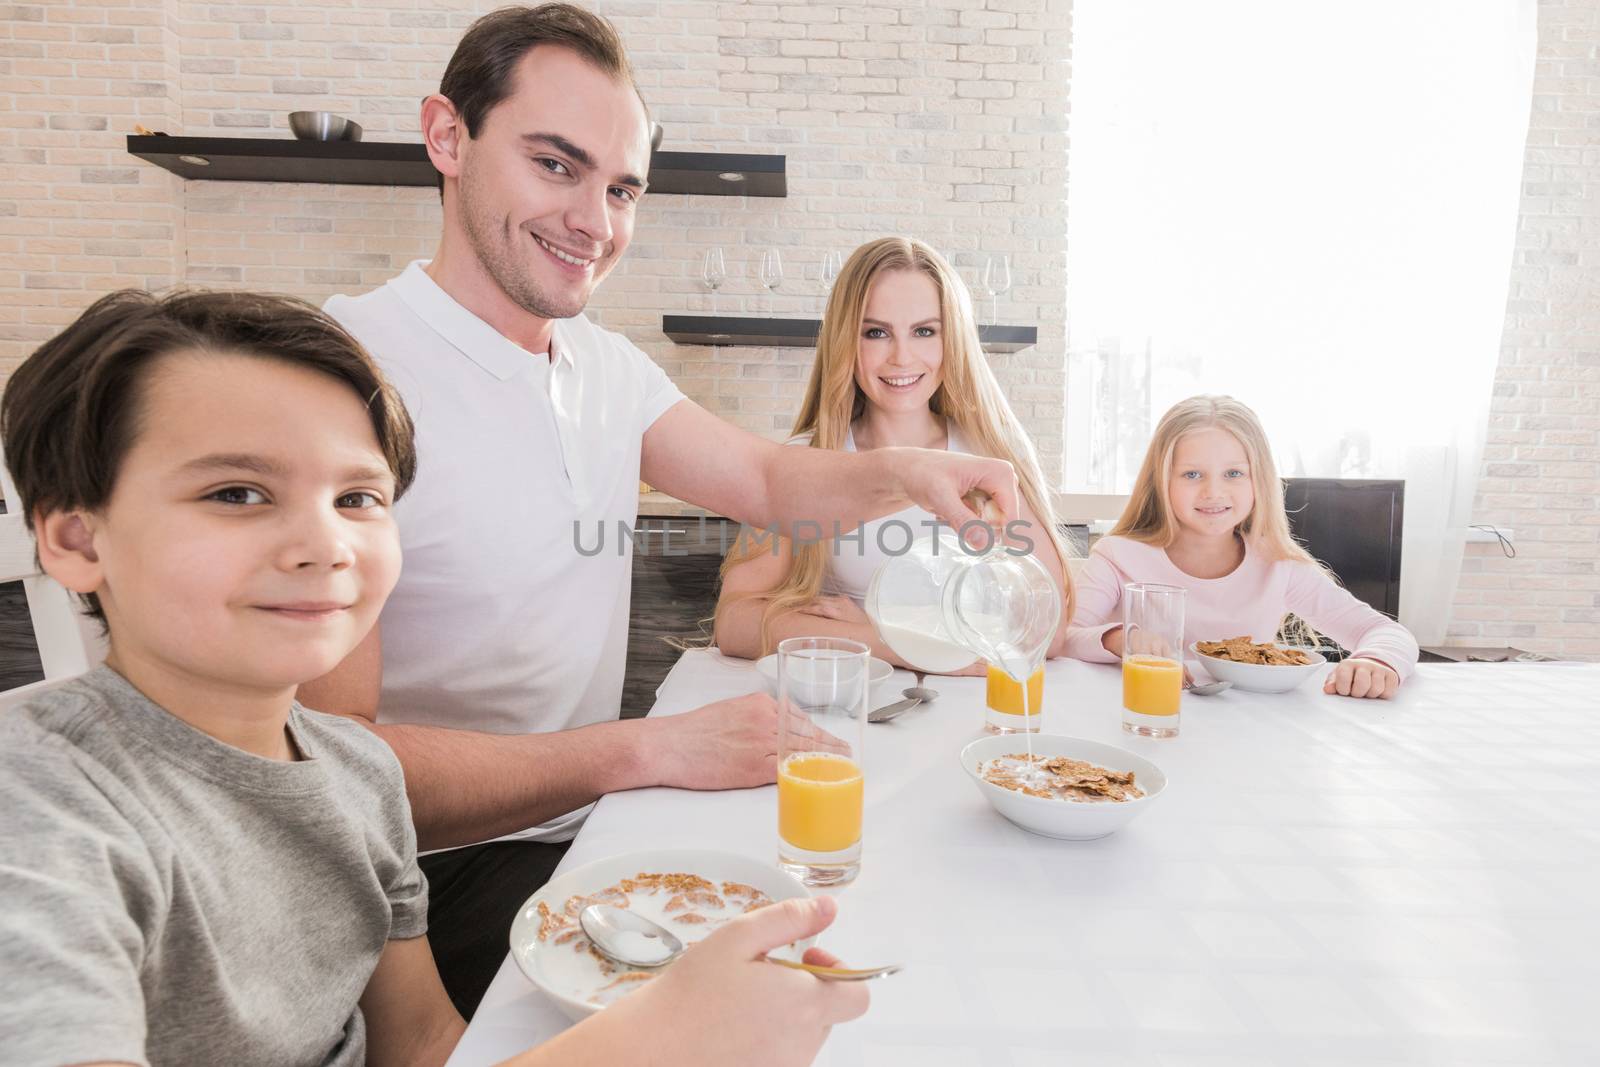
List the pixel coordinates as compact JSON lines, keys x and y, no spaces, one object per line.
{"x":69,"y":643}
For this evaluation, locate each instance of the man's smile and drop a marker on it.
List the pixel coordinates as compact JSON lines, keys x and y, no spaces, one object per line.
{"x":565,"y":257}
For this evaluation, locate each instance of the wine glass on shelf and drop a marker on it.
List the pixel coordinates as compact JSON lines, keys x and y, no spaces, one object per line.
{"x":771,"y":274}
{"x":832,"y":264}
{"x":996,"y":280}
{"x":714,"y":271}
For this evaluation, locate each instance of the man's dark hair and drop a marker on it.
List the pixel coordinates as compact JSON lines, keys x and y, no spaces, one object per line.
{"x":71,"y":411}
{"x":481,"y":70}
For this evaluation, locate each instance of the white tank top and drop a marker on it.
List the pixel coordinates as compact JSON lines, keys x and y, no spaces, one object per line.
{"x":854,"y":559}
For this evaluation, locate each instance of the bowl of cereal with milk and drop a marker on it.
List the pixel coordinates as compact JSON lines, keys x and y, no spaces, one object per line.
{"x":1065,"y":787}
{"x":689,"y":891}
{"x":1257,"y":668}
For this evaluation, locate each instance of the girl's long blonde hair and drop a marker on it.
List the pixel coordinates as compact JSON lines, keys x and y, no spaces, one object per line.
{"x":968,"y":396}
{"x":1148,"y":516}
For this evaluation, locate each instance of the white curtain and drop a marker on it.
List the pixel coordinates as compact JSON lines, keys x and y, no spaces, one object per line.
{"x":1310,"y":206}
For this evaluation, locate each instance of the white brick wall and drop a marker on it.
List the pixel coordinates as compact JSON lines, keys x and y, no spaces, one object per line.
{"x":1541,"y":471}
{"x":943,"y":120}
{"x":78,"y":215}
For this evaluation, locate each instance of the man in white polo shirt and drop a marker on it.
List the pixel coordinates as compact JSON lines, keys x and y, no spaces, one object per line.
{"x":496,"y":669}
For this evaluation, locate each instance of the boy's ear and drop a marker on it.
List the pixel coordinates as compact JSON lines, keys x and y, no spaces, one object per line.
{"x":66,"y":549}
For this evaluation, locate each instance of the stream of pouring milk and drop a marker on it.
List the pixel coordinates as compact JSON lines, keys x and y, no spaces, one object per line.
{"x":918,"y":636}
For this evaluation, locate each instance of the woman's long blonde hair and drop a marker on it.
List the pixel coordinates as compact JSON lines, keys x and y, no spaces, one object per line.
{"x":1148,"y":516}
{"x":968,"y":396}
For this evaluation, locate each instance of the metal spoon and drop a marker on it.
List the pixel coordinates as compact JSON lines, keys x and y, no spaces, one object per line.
{"x":914,"y":696}
{"x":634,"y":941}
{"x":1209,"y":689}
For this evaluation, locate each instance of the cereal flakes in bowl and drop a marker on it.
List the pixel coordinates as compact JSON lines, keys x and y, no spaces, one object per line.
{"x":1076,"y":789}
{"x":689,"y":891}
{"x":1257,"y":668}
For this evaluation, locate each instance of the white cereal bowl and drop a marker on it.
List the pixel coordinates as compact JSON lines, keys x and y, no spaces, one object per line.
{"x":879,"y":672}
{"x":1068,"y":820}
{"x":569,"y":977}
{"x":1260,"y":677}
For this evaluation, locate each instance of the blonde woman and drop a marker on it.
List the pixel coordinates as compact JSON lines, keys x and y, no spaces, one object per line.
{"x":898,"y":364}
{"x":1207,"y":514}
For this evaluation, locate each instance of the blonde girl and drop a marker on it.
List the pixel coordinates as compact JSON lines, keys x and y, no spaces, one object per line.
{"x":898,"y":364}
{"x":1206,"y":514}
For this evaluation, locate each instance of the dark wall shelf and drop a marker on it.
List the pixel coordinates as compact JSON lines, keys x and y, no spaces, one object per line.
{"x":727,"y":330}
{"x":802,"y":333}
{"x":719,"y":174}
{"x":262,"y":159}
{"x":259,"y":159}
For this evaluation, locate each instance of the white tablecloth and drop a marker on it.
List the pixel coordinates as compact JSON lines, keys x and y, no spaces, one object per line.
{"x":1325,"y":881}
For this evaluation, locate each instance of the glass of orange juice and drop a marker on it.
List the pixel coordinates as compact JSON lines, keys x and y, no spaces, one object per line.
{"x":1152,"y":658}
{"x":1011,"y":709}
{"x":822,"y":717}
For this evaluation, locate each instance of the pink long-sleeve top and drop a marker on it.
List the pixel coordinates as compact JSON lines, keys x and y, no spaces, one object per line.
{"x":1251,"y":600}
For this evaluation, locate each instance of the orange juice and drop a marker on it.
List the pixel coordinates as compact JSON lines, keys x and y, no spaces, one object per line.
{"x":819,"y":802}
{"x":1151,"y":685}
{"x":1005,"y":693}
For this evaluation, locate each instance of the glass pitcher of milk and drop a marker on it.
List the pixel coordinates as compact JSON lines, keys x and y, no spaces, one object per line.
{"x":941,"y":606}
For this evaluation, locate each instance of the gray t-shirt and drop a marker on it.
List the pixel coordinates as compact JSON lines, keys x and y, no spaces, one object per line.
{"x":168,"y":899}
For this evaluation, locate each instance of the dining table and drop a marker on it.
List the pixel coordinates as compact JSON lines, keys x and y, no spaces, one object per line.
{"x":1323,"y":881}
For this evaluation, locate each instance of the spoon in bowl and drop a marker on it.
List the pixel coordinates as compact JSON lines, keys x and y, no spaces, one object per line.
{"x":634,"y":941}
{"x":914,"y":696}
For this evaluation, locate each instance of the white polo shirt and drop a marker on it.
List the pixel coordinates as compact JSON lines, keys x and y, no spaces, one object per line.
{"x":499,"y":623}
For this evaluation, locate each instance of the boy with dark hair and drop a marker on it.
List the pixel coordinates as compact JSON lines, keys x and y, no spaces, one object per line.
{"x":195,"y":868}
